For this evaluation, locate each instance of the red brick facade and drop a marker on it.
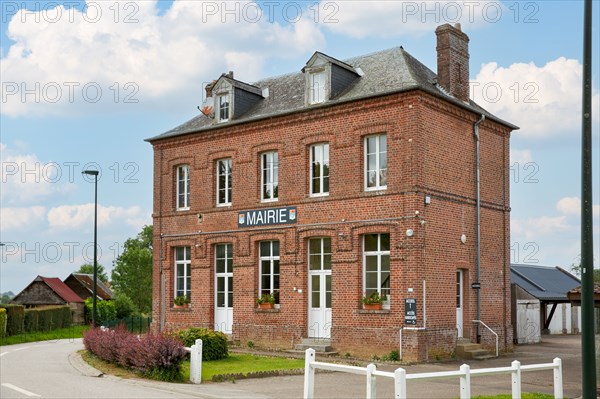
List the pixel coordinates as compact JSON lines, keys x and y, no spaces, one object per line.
{"x":430,"y":152}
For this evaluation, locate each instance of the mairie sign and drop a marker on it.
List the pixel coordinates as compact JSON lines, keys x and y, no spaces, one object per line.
{"x":269,"y":216}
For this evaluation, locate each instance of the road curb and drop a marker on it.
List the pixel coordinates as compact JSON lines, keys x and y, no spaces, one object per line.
{"x":82,"y":367}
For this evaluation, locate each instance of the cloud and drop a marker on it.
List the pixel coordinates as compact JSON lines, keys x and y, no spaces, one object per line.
{"x":21,"y":218}
{"x":26,"y":180}
{"x":361,"y":19}
{"x":520,"y":157}
{"x":572,"y":206}
{"x":543,"y":101}
{"x":78,"y":216}
{"x":138,"y":53}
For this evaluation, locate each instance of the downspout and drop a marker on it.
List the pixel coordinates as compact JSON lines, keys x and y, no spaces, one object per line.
{"x":162,"y":304}
{"x":478,"y":227}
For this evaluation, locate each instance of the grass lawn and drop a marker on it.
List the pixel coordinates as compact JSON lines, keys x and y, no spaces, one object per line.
{"x":62,"y":333}
{"x":524,"y":395}
{"x":238,"y":363}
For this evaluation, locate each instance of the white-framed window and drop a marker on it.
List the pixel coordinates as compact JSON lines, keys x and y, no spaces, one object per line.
{"x":270,"y":176}
{"x":224,"y":275}
{"x":376,"y":162}
{"x":319,"y":253}
{"x":268,"y":283}
{"x":183,"y":272}
{"x":376,"y":265}
{"x":183,"y":187}
{"x":224,"y":182}
{"x":223,"y":108}
{"x":319,"y":169}
{"x":316,"y":90}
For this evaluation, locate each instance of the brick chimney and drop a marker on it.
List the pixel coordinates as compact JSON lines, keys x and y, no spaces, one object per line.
{"x":453,"y":60}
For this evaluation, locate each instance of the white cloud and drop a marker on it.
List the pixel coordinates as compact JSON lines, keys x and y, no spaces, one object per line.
{"x":159,"y":55}
{"x":78,"y":216}
{"x":26,"y":180}
{"x":535,"y":227}
{"x":21,"y":218}
{"x":520,"y":157}
{"x":572,"y":206}
{"x":543,"y":101}
{"x":362,"y":19}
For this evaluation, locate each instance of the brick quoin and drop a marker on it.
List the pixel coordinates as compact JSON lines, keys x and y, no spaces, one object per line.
{"x":431,"y":153}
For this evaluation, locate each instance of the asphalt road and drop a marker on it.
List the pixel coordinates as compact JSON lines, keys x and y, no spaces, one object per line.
{"x":54,"y":370}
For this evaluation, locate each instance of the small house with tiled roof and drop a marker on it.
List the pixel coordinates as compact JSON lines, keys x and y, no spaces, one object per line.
{"x":51,"y":291}
{"x":83,"y":285}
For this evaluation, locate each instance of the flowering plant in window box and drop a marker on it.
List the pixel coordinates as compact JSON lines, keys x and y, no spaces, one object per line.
{"x":182,"y":301}
{"x":373,"y":301}
{"x":266,"y":301}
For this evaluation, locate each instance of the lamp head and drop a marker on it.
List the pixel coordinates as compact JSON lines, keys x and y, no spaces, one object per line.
{"x":90,"y":172}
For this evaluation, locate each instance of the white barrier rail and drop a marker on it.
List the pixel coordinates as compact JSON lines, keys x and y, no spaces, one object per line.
{"x":195,"y":362}
{"x":400,"y":377}
{"x":489,"y":329}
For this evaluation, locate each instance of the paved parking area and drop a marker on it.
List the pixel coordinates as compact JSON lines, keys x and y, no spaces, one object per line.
{"x":341,"y":385}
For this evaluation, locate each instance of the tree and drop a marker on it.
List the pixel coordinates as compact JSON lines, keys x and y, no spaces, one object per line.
{"x":132,"y":274}
{"x":576,"y":269}
{"x":88,"y":268}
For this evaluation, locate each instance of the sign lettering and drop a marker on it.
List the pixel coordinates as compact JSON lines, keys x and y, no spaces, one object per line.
{"x":264,"y":217}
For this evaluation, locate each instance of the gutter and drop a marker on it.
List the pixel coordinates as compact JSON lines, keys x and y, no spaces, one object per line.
{"x":478,"y":227}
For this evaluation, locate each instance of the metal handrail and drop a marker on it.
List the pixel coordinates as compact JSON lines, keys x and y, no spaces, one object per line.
{"x":492,"y":331}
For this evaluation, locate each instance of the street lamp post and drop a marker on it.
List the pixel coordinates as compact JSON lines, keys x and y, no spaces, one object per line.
{"x":95,"y":174}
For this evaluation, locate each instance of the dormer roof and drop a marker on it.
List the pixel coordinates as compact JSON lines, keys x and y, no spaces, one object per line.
{"x":319,"y":58}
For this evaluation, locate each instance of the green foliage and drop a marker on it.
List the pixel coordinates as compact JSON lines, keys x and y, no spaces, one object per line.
{"x":2,"y":322}
{"x":15,"y":315}
{"x":250,"y":344}
{"x":6,"y":297}
{"x":124,"y":306}
{"x":46,"y":319}
{"x":105,"y":311}
{"x":89,"y":269}
{"x":393,"y":356}
{"x":214,"y":343}
{"x":373,"y":298}
{"x":132,"y":274}
{"x":181,"y":300}
{"x":265,"y":298}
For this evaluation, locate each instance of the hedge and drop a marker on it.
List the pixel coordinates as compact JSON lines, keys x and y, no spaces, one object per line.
{"x":46,"y":319}
{"x":14,"y":318}
{"x":2,"y":322}
{"x":214,"y":343}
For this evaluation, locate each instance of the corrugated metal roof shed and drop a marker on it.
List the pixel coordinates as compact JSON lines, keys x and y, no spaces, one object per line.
{"x":543,"y":282}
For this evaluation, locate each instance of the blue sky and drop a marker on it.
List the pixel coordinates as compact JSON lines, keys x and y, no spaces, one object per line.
{"x":84,"y":83}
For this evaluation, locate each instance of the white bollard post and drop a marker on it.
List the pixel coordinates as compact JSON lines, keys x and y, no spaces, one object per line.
{"x":371,"y":382}
{"x":196,"y":362}
{"x":516,"y":379}
{"x":309,"y":374}
{"x":400,"y":383}
{"x":558,"y":381}
{"x":465,"y":382}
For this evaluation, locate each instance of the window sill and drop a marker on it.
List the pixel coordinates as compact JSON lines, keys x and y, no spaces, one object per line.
{"x":381,"y":311}
{"x":259,"y":310}
{"x":182,"y":209}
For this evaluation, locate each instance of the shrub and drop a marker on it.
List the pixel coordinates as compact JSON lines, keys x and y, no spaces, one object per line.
{"x":15,"y":315}
{"x":154,"y":355}
{"x":124,"y":306}
{"x":214,"y":343}
{"x":2,"y":322}
{"x":105,"y":310}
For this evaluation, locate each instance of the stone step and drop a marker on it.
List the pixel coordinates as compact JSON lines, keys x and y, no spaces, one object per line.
{"x":484,"y":357}
{"x":319,"y":345}
{"x":301,"y":353}
{"x":468,"y":350}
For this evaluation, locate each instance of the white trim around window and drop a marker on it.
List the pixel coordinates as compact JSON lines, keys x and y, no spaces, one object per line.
{"x":319,"y":170}
{"x":224,"y":185}
{"x":269,"y":176}
{"x":376,"y":265}
{"x":183,"y":272}
{"x":268,"y":269}
{"x":223,"y":113}
{"x":375,"y":154}
{"x":183,"y":188}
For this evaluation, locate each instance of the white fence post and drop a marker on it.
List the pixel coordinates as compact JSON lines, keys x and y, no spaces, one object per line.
{"x":371,"y":382}
{"x":465,"y":382}
{"x":400,"y":383}
{"x":196,"y":362}
{"x":558,"y":382}
{"x":309,"y":374}
{"x":516,"y":379}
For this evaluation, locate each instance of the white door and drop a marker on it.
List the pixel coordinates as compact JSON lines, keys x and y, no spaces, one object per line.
{"x":224,"y":288}
{"x":459,"y":303}
{"x":319,"y":288}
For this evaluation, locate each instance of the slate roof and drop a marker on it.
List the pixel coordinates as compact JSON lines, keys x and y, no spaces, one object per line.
{"x":87,"y":280}
{"x":544,"y":283}
{"x":384,"y":72}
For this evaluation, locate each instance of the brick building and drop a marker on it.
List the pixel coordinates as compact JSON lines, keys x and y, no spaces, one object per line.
{"x":327,"y":185}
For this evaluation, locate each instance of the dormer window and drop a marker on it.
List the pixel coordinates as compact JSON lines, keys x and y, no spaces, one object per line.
{"x":317,"y":87}
{"x":223,"y":107}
